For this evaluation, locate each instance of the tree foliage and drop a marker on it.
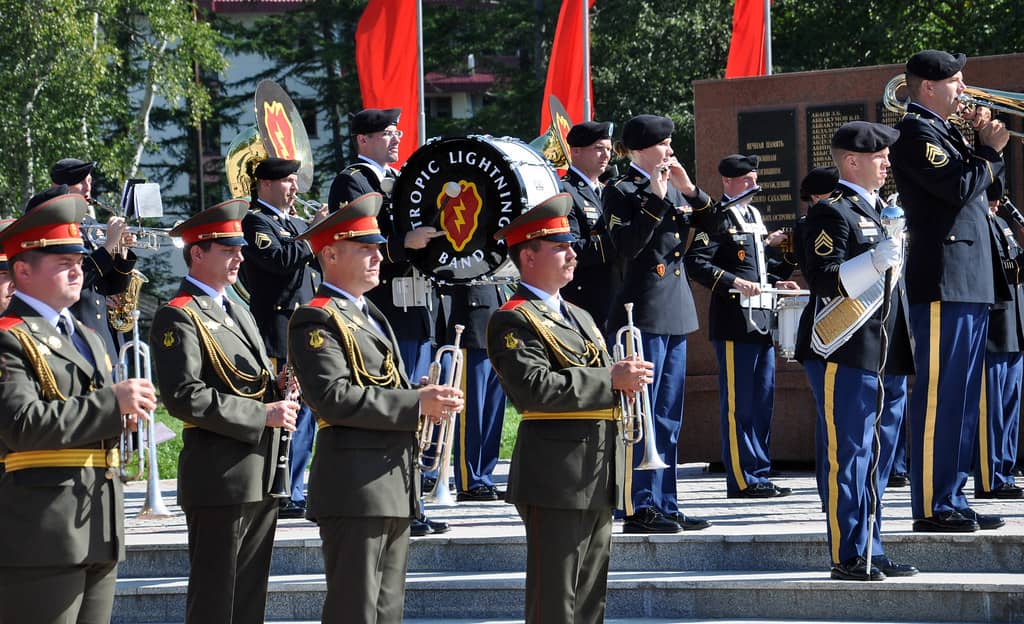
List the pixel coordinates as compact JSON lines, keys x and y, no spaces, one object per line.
{"x":82,"y":78}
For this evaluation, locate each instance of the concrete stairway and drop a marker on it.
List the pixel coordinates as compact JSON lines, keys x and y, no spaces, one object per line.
{"x":760,"y":561}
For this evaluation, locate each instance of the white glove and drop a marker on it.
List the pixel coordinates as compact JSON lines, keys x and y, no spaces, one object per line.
{"x":886,"y":254}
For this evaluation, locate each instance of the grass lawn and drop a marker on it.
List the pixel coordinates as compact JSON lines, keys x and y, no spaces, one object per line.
{"x":167,"y":452}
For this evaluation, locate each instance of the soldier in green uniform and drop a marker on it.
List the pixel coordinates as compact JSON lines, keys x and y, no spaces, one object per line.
{"x":62,"y":524}
{"x":567,"y":471}
{"x":214,"y":374}
{"x":364,"y":480}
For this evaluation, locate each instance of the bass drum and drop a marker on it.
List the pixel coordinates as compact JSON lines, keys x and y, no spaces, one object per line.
{"x":469,"y":188}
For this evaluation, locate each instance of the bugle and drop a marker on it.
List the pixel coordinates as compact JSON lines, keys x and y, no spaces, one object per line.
{"x":972,"y":97}
{"x":437,"y":456}
{"x":153,"y":505}
{"x":637,"y":415}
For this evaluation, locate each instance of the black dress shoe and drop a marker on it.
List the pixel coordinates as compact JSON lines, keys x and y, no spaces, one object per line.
{"x":946,"y":522}
{"x":891,"y":568}
{"x":985,"y":523}
{"x":436,"y":526}
{"x":856,"y":569}
{"x":1018,"y":472}
{"x":649,"y":520}
{"x":898,"y":480}
{"x":479,"y":493}
{"x":761,"y":490}
{"x":418,"y":527}
{"x":1006,"y":490}
{"x":688,"y":523}
{"x":292,"y":509}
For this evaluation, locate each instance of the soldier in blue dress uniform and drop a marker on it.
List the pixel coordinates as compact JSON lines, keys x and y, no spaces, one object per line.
{"x":731,"y":256}
{"x":850,"y":260}
{"x":953,"y":276}
{"x":649,"y":218}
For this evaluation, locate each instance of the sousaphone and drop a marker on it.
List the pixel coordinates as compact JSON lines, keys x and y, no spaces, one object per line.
{"x":278,"y":133}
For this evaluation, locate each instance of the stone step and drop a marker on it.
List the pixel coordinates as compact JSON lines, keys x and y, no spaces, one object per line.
{"x":984,"y":551}
{"x":778,"y":595}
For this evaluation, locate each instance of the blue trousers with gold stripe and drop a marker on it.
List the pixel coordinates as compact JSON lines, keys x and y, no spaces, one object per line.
{"x":949,"y":354}
{"x":846,"y":400}
{"x":999,"y":421}
{"x":478,"y":427}
{"x":746,"y":391}
{"x":657,"y":488}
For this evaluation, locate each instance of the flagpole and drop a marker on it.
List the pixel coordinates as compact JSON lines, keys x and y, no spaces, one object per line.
{"x":586,"y":60}
{"x":422,"y":121}
{"x":768,"y":36}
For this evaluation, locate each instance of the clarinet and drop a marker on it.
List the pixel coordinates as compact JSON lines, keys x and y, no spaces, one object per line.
{"x":282,"y":486}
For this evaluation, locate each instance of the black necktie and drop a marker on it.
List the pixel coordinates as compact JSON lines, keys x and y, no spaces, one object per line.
{"x":83,"y":349}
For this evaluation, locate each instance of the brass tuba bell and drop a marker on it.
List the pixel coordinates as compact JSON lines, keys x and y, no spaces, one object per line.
{"x":551,"y":144}
{"x":279,"y":133}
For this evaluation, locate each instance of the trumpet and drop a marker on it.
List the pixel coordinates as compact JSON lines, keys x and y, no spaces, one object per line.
{"x":637,"y":415}
{"x":972,"y":97}
{"x":132,"y":455}
{"x":442,"y":450}
{"x":145,"y":237}
{"x":309,"y":208}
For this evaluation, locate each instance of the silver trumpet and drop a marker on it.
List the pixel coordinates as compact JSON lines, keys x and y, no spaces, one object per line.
{"x":153,"y":506}
{"x":309,"y":208}
{"x":442,"y":450}
{"x":637,"y":415}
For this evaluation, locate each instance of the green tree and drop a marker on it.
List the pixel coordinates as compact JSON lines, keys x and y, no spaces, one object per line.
{"x":83,"y":77}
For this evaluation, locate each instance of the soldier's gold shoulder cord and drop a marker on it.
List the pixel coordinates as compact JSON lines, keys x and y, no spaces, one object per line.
{"x":391,"y":377}
{"x":44,"y":373}
{"x":222,"y":364}
{"x":590,"y":356}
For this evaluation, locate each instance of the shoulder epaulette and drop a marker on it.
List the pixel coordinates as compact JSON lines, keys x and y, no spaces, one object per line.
{"x":358,"y":167}
{"x":180,"y":301}
{"x":513,"y":303}
{"x":319,"y":302}
{"x":8,"y":322}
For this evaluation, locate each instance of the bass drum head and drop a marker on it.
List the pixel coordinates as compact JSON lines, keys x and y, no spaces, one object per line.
{"x":468,"y":188}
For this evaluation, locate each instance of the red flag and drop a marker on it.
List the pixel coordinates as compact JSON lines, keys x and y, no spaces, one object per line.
{"x":746,"y":50}
{"x":388,"y":64}
{"x":565,"y":69}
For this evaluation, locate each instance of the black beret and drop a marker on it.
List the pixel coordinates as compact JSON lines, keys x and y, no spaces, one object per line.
{"x":275,"y":168}
{"x":819,"y":181}
{"x":372,"y":120}
{"x":736,"y":165}
{"x":588,"y":133}
{"x":864,"y":136}
{"x":70,"y":171}
{"x":45,"y":196}
{"x":644,"y":131}
{"x":935,"y":64}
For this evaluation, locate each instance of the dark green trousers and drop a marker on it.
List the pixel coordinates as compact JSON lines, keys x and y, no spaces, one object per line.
{"x":365,"y":560}
{"x":82,"y":594}
{"x":229,"y":549}
{"x":567,"y":553}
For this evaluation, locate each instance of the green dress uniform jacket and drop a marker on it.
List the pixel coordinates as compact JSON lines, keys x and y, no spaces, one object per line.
{"x":228,"y":452}
{"x":571,"y":463}
{"x":365,"y":463}
{"x":55,"y":516}
{"x":567,"y":466}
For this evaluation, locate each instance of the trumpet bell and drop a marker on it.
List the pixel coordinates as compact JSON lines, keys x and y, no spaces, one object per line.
{"x":1003,"y":101}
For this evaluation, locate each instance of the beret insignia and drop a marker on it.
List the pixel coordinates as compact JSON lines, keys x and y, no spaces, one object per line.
{"x":936,"y":156}
{"x":823,"y":244}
